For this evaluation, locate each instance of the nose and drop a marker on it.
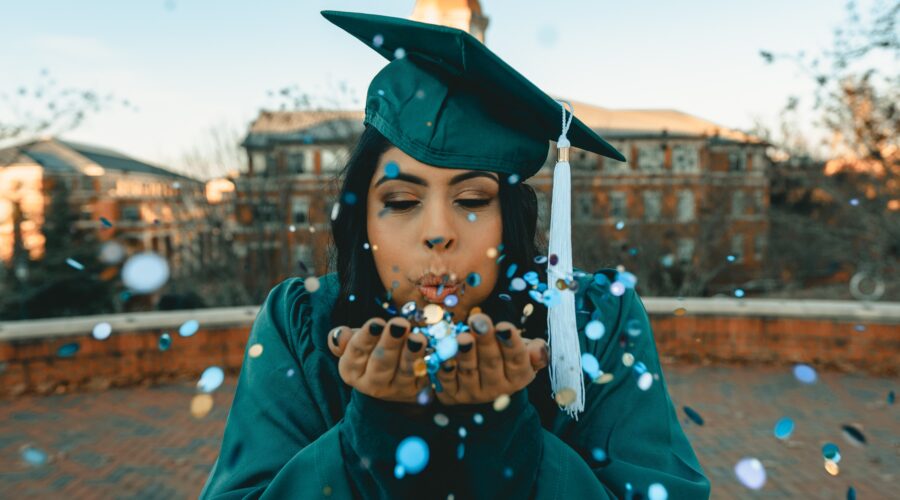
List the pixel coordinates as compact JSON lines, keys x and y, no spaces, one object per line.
{"x":438,"y":231}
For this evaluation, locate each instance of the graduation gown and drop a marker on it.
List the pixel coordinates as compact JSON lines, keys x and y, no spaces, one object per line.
{"x":295,"y":430}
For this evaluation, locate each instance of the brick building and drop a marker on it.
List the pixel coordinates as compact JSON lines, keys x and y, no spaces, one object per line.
{"x":699,"y":188}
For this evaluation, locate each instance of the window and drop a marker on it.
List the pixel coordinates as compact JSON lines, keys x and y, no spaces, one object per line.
{"x":618,"y":166}
{"x":759,"y":247}
{"x":685,"y":159}
{"x":296,"y":162}
{"x":303,"y":253}
{"x":737,"y":247}
{"x":131,"y":213}
{"x":737,"y":161}
{"x":265,"y":212}
{"x":652,"y":205}
{"x":272,"y":161}
{"x":738,"y":205}
{"x":760,"y":200}
{"x":584,"y":205}
{"x":686,"y":250}
{"x":651,"y":157}
{"x":300,"y":210}
{"x":685,"y":205}
{"x":618,"y":205}
{"x":259,"y":162}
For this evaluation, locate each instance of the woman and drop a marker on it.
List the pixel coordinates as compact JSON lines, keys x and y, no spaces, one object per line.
{"x":434,"y":216}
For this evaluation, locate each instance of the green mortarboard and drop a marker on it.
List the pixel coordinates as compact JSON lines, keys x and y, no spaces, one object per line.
{"x":448,"y":101}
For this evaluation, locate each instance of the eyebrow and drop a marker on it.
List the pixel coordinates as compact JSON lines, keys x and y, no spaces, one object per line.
{"x":401,"y":176}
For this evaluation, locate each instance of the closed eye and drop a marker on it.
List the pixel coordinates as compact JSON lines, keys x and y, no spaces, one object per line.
{"x":474,"y":202}
{"x":400,"y":206}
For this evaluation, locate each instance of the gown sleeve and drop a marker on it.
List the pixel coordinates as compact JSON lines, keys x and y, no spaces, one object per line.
{"x":629,"y":433}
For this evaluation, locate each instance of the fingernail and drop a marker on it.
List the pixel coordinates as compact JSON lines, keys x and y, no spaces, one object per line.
{"x":480,"y":326}
{"x":397,"y":331}
{"x":334,"y":334}
{"x":504,"y":334}
{"x":413,"y":345}
{"x":448,"y":368}
{"x":376,"y":329}
{"x":466,"y":347}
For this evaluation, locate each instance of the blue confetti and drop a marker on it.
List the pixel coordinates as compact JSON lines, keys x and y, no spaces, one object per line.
{"x":784,"y":428}
{"x":165,"y":341}
{"x":189,"y":328}
{"x":693,"y":415}
{"x":211,"y":379}
{"x":412,"y":454}
{"x":805,"y":374}
{"x":75,"y":264}
{"x":67,"y":350}
{"x":473,"y":279}
{"x":106,"y":222}
{"x":391,"y":170}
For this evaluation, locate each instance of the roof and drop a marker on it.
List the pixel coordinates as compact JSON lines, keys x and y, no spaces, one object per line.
{"x":612,"y":124}
{"x":59,"y":156}
{"x":303,"y":126}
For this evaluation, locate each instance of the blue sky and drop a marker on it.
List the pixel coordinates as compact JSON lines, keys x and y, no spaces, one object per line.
{"x":189,"y":65}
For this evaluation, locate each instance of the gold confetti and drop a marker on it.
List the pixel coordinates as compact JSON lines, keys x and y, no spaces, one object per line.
{"x":255,"y":350}
{"x":374,"y":248}
{"x":441,"y":420}
{"x":832,"y":467}
{"x":604,"y":379}
{"x":680,"y":311}
{"x":561,"y":284}
{"x":529,"y":308}
{"x":491,"y":252}
{"x":312,"y":284}
{"x":565,"y":397}
{"x":201,"y":405}
{"x":501,"y":402}
{"x":420,"y":368}
{"x":628,"y":359}
{"x":433,"y":313}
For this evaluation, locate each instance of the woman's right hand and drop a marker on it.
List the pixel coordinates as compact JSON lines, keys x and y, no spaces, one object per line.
{"x":378,"y":358}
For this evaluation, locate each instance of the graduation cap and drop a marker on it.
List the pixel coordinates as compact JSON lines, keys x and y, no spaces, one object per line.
{"x":446,"y":100}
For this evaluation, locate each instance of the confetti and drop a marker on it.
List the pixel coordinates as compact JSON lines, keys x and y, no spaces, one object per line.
{"x":106,"y":222}
{"x":617,"y":289}
{"x":471,"y":217}
{"x":599,"y":454}
{"x":255,"y":350}
{"x":412,"y":455}
{"x":441,"y":420}
{"x":805,"y":374}
{"x":738,"y":293}
{"x":750,"y":473}
{"x":513,"y":179}
{"x":657,"y":491}
{"x":201,"y":404}
{"x":451,"y":300}
{"x":165,"y":340}
{"x":478,"y":418}
{"x":473,"y":279}
{"x":491,"y":252}
{"x":645,"y":381}
{"x":377,"y":40}
{"x":67,"y":350}
{"x":433,"y":313}
{"x":211,"y":379}
{"x":853,"y":435}
{"x":604,"y":379}
{"x":189,"y":328}
{"x":679,"y":311}
{"x":311,"y":284}
{"x":832,"y":467}
{"x":565,"y":396}
{"x":620,"y":225}
{"x":633,"y":327}
{"x":34,"y":457}
{"x":511,"y":270}
{"x":501,"y":403}
{"x":540,"y":259}
{"x":111,"y":252}
{"x":145,"y":272}
{"x":830,"y":451}
{"x":528,"y":309}
{"x":784,"y":428}
{"x":400,"y":53}
{"x":693,"y":415}
{"x":590,"y":365}
{"x":628,"y":359}
{"x":102,"y":331}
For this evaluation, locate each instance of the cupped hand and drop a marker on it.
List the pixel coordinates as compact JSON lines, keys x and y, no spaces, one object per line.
{"x":378,"y":358}
{"x":492,"y":361}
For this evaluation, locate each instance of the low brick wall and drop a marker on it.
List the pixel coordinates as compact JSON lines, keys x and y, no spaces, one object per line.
{"x":845,"y":336}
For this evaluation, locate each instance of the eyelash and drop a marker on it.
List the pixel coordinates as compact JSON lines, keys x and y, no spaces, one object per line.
{"x":401,"y":206}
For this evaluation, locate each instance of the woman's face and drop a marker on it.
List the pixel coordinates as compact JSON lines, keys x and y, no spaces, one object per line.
{"x":428,"y":226}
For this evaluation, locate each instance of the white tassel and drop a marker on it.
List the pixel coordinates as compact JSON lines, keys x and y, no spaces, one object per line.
{"x":565,"y":365}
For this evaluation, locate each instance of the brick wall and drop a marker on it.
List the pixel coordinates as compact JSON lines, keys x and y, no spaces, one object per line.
{"x":713,"y":331}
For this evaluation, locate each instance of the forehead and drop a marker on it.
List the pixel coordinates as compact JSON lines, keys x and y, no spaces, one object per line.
{"x":410,"y":165}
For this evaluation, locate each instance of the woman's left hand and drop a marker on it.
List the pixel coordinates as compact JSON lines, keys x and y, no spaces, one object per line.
{"x":492,"y":361}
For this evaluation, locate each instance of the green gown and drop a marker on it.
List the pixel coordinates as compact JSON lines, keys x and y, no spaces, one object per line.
{"x":295,"y":430}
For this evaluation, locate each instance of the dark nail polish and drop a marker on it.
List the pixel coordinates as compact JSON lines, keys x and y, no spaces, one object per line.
{"x":480,"y":326}
{"x":504,"y":334}
{"x":449,"y":368}
{"x":376,"y":329}
{"x":397,"y":331}
{"x":334,"y":337}
{"x":413,"y":345}
{"x":466,"y":347}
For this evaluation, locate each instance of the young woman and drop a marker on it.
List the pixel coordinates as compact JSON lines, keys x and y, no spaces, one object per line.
{"x":346,"y":400}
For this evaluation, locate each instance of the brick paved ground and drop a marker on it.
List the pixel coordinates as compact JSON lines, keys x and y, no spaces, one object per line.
{"x":143,"y":442}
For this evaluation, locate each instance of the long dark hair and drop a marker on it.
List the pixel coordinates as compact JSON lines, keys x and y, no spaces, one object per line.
{"x":355,"y":265}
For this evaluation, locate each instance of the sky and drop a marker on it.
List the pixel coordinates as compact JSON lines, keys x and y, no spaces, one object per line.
{"x":189,"y":65}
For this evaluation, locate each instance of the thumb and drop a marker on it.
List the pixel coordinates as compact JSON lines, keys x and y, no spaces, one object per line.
{"x":538,"y":353}
{"x":338,"y":338}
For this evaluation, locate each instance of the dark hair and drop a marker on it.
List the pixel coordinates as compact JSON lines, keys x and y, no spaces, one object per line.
{"x":355,"y":265}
